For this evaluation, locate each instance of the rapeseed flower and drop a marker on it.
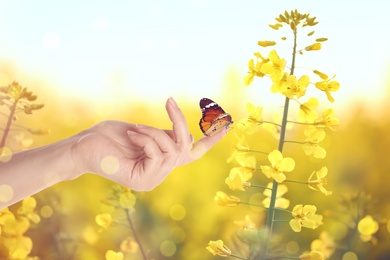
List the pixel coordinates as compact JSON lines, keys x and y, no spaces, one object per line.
{"x":278,"y":166}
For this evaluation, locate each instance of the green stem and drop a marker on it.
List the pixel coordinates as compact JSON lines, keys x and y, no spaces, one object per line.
{"x":9,"y":122}
{"x":271,"y":210}
{"x":296,"y":181}
{"x":260,"y":187}
{"x":135,"y":234}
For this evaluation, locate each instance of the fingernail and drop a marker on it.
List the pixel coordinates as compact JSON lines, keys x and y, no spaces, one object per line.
{"x":172,"y":102}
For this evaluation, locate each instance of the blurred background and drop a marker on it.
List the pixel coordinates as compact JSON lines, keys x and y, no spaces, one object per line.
{"x":89,"y":61}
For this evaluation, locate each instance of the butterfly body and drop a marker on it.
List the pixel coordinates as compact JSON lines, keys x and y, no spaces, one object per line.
{"x":213,"y":118}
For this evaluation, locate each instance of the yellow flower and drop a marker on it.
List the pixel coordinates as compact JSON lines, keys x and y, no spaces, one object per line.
{"x":279,"y":165}
{"x":306,"y":111}
{"x":15,"y":227}
{"x":275,"y":67}
{"x":318,"y":184}
{"x":18,"y":247}
{"x":28,"y":210}
{"x":298,"y":89}
{"x":304,"y":216}
{"x":240,"y":148}
{"x":235,"y":181}
{"x":328,"y":85}
{"x":129,"y":245}
{"x":112,"y":255}
{"x":104,"y":220}
{"x":284,"y":83}
{"x":313,"y":255}
{"x":314,"y":47}
{"x":247,"y":161}
{"x":266,"y":43}
{"x":251,"y":124}
{"x":327,"y":119}
{"x":218,"y":248}
{"x":280,"y":202}
{"x":325,"y":244}
{"x":255,"y":69}
{"x":244,"y":172}
{"x":311,"y":145}
{"x":224,"y":200}
{"x":367,"y":226}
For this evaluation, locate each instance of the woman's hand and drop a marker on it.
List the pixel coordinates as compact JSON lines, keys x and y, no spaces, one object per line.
{"x":139,"y":156}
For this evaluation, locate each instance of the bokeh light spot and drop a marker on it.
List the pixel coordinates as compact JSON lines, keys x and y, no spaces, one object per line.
{"x":177,"y":234}
{"x":292,"y":247}
{"x":6,"y":193}
{"x":110,"y":165}
{"x":168,"y":248}
{"x":350,"y":256}
{"x":46,"y":211}
{"x":5,"y":154}
{"x":177,"y":212}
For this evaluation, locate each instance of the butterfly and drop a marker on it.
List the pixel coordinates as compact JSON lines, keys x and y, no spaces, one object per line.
{"x":213,"y":118}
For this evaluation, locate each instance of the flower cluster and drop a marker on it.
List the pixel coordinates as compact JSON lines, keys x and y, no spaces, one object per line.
{"x":279,"y":167}
{"x":120,"y":199}
{"x":13,"y":241}
{"x":17,"y":99}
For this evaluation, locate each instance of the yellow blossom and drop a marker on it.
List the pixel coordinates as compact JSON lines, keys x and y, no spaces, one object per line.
{"x":235,"y":181}
{"x":28,"y":210}
{"x":327,"y":119}
{"x":311,"y":144}
{"x":285,"y":83}
{"x":247,"y":161}
{"x":306,"y":111}
{"x":244,"y":172}
{"x":278,"y":166}
{"x":314,"y":47}
{"x":112,"y":255}
{"x":367,"y":226}
{"x":266,"y":43}
{"x":218,"y":248}
{"x":304,"y":216}
{"x":318,"y":184}
{"x":280,"y":202}
{"x":18,"y":247}
{"x":254,"y":70}
{"x":298,"y":89}
{"x":239,"y":149}
{"x":328,"y":85}
{"x":104,"y":220}
{"x":313,"y":255}
{"x":325,"y":244}
{"x":129,"y":245}
{"x":251,"y":124}
{"x":275,"y":67}
{"x":15,"y":227}
{"x":224,"y":200}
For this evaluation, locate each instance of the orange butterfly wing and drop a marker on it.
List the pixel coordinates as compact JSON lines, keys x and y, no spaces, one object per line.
{"x":213,"y":118}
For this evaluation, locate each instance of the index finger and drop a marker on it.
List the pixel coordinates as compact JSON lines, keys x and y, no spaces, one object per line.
{"x":179,"y":123}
